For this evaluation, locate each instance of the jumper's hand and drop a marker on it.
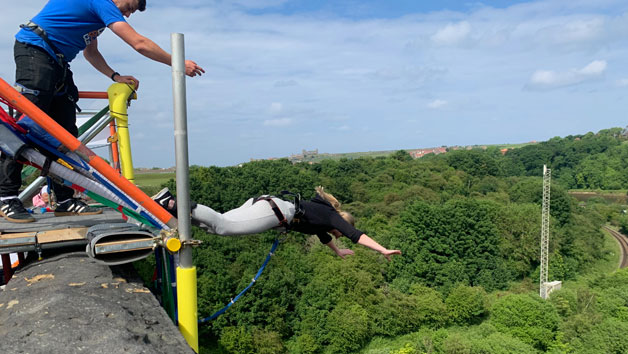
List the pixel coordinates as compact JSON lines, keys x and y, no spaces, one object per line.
{"x":344,"y":252}
{"x":389,"y":253}
{"x":127,"y":79}
{"x":192,"y":69}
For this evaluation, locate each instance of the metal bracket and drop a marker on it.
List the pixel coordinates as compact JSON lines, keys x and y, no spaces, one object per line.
{"x":113,"y":138}
{"x":193,"y":243}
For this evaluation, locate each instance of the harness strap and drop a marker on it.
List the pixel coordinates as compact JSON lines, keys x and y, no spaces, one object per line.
{"x":38,"y":30}
{"x":282,"y":219}
{"x":298,"y":208}
{"x":46,"y":167}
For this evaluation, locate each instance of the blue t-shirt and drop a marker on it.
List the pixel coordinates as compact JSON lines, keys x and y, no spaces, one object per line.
{"x":71,"y":24}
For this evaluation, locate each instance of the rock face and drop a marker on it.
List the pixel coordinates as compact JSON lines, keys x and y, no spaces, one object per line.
{"x":71,"y":304}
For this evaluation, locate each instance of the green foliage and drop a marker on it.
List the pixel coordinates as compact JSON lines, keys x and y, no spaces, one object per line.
{"x":267,"y":342}
{"x":528,"y":318}
{"x":467,"y":222}
{"x":407,"y":349}
{"x":237,"y":340}
{"x":607,"y":337}
{"x":466,"y":304}
{"x":348,"y":328}
{"x":456,"y":242}
{"x":399,"y":313}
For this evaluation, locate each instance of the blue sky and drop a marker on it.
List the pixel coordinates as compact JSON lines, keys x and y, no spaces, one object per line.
{"x":345,"y":76}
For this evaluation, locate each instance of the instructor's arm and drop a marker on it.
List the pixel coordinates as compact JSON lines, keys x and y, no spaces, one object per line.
{"x":93,"y":56}
{"x":149,"y":48}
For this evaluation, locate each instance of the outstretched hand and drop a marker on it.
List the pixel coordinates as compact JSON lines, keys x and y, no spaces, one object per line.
{"x":344,"y":252}
{"x":389,"y":253}
{"x":192,"y":69}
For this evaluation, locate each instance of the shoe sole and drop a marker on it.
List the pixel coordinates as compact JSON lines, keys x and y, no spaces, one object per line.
{"x":71,"y":213}
{"x":160,"y":193}
{"x":22,"y":221}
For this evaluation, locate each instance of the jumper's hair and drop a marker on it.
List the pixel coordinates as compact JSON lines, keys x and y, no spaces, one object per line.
{"x":141,"y":5}
{"x":336,"y":204}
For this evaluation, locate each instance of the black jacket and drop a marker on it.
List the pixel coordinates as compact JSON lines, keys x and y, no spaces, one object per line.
{"x":319,"y":217}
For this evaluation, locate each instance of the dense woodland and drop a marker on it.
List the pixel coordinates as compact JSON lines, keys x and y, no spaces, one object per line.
{"x":468,"y":224}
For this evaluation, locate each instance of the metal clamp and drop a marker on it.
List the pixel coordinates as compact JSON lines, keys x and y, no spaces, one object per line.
{"x":193,"y":243}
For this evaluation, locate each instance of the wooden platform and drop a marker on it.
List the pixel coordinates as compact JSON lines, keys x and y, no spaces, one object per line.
{"x":50,"y":231}
{"x":48,"y":221}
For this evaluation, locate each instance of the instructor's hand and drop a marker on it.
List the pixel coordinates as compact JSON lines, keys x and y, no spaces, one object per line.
{"x":127,"y":79}
{"x":192,"y":69}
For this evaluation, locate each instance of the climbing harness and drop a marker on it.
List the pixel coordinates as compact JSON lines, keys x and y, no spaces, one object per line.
{"x":61,"y":60}
{"x":269,"y":198}
{"x":38,"y":30}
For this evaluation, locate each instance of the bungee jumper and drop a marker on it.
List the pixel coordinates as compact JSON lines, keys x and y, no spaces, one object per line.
{"x":320,"y":216}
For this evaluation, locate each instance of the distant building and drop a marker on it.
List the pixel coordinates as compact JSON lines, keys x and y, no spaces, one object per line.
{"x":303,"y":155}
{"x":422,"y":152}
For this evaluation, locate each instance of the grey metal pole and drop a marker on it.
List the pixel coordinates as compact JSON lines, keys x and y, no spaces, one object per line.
{"x":181,"y":148}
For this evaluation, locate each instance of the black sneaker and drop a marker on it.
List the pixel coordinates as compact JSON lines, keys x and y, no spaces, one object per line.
{"x":166,"y":200}
{"x":75,"y":207}
{"x":13,"y":210}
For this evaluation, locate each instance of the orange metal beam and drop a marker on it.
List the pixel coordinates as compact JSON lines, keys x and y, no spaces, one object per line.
{"x":53,"y":128}
{"x":115,"y":154}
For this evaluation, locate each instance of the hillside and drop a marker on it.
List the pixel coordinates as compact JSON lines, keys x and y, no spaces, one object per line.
{"x":468,"y":224}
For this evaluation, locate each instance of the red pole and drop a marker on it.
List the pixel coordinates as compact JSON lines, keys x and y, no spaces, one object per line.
{"x":6,"y":267}
{"x":93,"y":94}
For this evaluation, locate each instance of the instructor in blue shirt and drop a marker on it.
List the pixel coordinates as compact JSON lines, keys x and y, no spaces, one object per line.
{"x":43,"y":49}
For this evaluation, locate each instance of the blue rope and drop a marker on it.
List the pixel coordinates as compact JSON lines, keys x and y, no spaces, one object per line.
{"x":259,"y":272}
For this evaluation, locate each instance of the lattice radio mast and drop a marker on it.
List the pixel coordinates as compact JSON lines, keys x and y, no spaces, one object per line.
{"x":547,"y":177}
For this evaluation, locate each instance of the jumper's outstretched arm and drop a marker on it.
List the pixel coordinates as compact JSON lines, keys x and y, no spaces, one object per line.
{"x":372,"y":244}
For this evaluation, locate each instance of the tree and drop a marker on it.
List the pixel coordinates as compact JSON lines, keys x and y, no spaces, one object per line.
{"x":347,"y":328}
{"x":527,"y":317}
{"x":466,"y":305}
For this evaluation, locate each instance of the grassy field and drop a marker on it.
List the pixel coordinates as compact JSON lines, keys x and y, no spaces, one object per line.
{"x":152,"y":182}
{"x":613,"y":196}
{"x":606,"y":265}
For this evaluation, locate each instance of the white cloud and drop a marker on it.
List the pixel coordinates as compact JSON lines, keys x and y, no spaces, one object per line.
{"x":275,"y":108}
{"x":437,"y":104}
{"x":281,"y":122}
{"x":595,"y":68}
{"x":548,"y":79}
{"x":622,"y":82}
{"x":452,"y":33}
{"x":578,"y":30}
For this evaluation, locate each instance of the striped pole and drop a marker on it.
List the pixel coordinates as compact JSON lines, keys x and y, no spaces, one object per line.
{"x":186,"y":271}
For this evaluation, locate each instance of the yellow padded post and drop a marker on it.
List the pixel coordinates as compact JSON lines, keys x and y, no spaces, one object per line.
{"x":118,"y":99}
{"x":187,"y":305}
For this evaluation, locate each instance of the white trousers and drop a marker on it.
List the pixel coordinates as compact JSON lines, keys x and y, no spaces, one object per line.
{"x":248,"y":219}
